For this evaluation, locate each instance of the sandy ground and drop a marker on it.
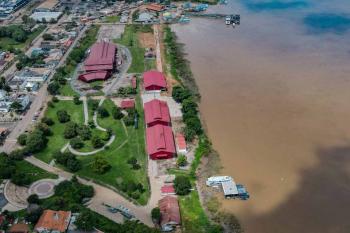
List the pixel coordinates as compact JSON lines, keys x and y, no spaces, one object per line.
{"x":147,"y":40}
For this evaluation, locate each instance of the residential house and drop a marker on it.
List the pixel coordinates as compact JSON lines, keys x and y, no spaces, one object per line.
{"x":170,"y":213}
{"x":19,"y":228}
{"x":53,"y":221}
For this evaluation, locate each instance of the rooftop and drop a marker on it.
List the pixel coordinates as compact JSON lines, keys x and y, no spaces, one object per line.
{"x":53,"y":220}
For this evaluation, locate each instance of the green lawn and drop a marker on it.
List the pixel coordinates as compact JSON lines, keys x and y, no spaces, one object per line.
{"x":57,"y":141}
{"x":7,"y":42}
{"x":127,"y":144}
{"x":66,"y":90}
{"x":194,"y":219}
{"x":34,"y":173}
{"x":130,"y":39}
{"x":112,"y":19}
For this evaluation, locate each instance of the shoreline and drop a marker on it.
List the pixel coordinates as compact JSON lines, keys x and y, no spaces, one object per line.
{"x":201,"y":170}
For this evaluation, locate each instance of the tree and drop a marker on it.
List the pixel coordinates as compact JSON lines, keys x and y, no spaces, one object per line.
{"x":117,"y":113}
{"x":73,"y":164}
{"x":180,"y":94}
{"x":36,"y":141}
{"x":17,"y":154}
{"x":70,"y":131}
{"x":20,"y":179}
{"x":44,"y":128}
{"x":194,"y":124}
{"x":16,"y":106}
{"x":84,"y":132}
{"x":181,"y":161}
{"x":47,"y":36}
{"x":33,"y":199}
{"x":76,"y":143}
{"x":102,"y":112}
{"x":100,"y":165}
{"x":53,"y":88}
{"x":190,"y":134}
{"x":156,"y":215}
{"x":63,"y":116}
{"x":182,"y":185}
{"x":189,"y":105}
{"x":76,"y":100}
{"x":55,"y":99}
{"x":97,"y":141}
{"x":47,"y":121}
{"x":86,"y":221}
{"x":22,"y":139}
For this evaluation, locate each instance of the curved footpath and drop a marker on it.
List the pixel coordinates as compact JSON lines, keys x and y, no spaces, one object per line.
{"x":102,"y":195}
{"x":75,"y":152}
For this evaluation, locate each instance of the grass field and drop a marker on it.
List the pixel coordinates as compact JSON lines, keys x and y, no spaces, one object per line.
{"x":34,"y":173}
{"x":112,"y":19}
{"x":66,"y":90}
{"x":57,"y":141}
{"x":128,"y":143}
{"x":131,"y":40}
{"x":7,"y":42}
{"x":194,"y":219}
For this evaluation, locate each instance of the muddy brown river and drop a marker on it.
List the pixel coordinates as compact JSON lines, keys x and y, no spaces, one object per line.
{"x":276,"y":104}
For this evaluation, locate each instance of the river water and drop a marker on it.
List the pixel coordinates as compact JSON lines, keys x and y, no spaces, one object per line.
{"x":276,"y":104}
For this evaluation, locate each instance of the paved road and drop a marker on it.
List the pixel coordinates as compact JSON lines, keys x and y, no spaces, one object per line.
{"x":102,"y":195}
{"x":40,"y":99}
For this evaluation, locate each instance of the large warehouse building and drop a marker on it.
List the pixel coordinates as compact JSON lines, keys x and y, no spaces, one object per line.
{"x":160,"y":142}
{"x":157,"y":112}
{"x":100,"y":63}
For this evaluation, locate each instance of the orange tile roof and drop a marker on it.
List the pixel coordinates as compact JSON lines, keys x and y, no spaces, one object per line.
{"x":154,"y":7}
{"x":53,"y":220}
{"x":181,"y":142}
{"x":19,"y":228}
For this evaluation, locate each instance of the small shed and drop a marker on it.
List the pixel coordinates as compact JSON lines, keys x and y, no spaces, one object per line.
{"x":19,"y":228}
{"x":127,"y":104}
{"x":181,"y":145}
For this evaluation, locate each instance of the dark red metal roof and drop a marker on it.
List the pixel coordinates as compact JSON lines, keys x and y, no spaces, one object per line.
{"x":101,"y":57}
{"x":160,"y":142}
{"x":154,"y":80}
{"x":94,"y":76}
{"x":156,"y":111}
{"x":128,"y":103}
{"x":168,"y":189}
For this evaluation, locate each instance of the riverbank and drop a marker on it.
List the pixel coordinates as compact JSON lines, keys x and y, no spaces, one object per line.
{"x":179,"y":69}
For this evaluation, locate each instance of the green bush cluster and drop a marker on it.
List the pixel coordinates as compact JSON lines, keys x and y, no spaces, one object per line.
{"x":68,"y":160}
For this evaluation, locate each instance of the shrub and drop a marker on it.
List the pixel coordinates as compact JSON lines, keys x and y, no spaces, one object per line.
{"x":76,"y":100}
{"x":97,"y":142}
{"x":100,"y":165}
{"x":20,"y":179}
{"x":44,"y":128}
{"x":84,"y":132}
{"x":63,"y":116}
{"x":47,"y":121}
{"x":181,"y":161}
{"x":22,"y":139}
{"x":17,"y":154}
{"x":102,"y":112}
{"x":117,"y":113}
{"x":36,"y":141}
{"x":33,"y":199}
{"x":86,"y":221}
{"x":76,"y":143}
{"x":70,"y":131}
{"x":182,"y":185}
{"x":55,"y":99}
{"x":155,"y":213}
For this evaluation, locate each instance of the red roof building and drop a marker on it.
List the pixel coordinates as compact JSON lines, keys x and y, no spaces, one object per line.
{"x":156,"y":112}
{"x":155,"y":7}
{"x":154,"y":81}
{"x":51,"y":220}
{"x":19,"y":228}
{"x":134,"y":82}
{"x":129,"y":103}
{"x":168,"y":189}
{"x":160,"y":142}
{"x":181,"y":143}
{"x":170,"y":212}
{"x":100,"y":63}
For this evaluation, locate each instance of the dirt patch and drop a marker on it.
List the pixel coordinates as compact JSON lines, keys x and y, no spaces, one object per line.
{"x":147,"y":40}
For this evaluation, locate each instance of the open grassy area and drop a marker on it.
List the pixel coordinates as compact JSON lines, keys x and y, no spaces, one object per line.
{"x":112,"y":19}
{"x":131,"y":40}
{"x":194,"y":219}
{"x":66,"y":90}
{"x":129,"y":143}
{"x":57,"y":141}
{"x":34,"y":173}
{"x":7,"y":42}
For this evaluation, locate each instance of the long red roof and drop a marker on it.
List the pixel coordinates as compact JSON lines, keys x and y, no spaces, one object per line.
{"x":160,"y":141}
{"x":154,"y":80}
{"x":156,"y":111}
{"x":101,"y":57}
{"x":94,"y":76}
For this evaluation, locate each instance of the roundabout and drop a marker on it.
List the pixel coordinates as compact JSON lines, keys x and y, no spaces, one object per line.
{"x":43,"y":188}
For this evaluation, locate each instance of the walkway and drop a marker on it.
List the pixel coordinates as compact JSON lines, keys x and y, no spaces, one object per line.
{"x":102,"y":195}
{"x":73,"y":151}
{"x":95,"y":117}
{"x":86,"y":111}
{"x":158,"y":54}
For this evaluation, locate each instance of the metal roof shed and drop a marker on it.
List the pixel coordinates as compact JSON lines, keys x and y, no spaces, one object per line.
{"x":229,"y":188}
